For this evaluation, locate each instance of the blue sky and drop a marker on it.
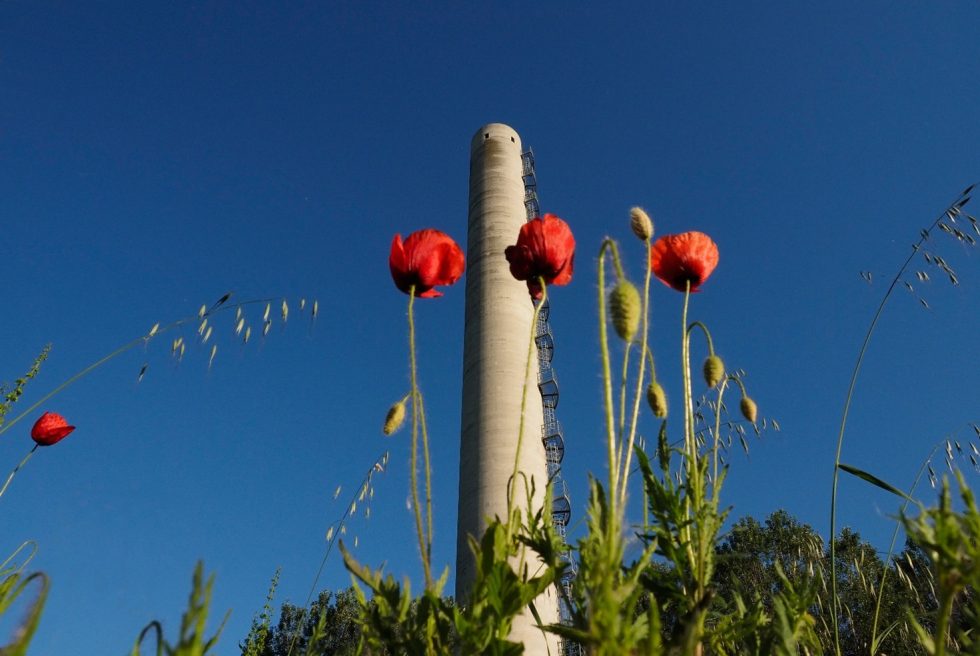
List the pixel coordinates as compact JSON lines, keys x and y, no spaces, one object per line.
{"x":154,"y":156}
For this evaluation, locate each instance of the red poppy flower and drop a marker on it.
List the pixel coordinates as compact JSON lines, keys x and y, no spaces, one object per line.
{"x":679,"y":259}
{"x":50,"y":429}
{"x":425,"y":259}
{"x":545,"y":249}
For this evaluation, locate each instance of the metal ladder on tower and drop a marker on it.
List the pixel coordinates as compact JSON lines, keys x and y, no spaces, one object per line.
{"x":552,"y":436}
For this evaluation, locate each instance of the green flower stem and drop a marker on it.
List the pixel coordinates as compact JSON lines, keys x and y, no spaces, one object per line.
{"x":690,"y":446}
{"x":607,"y":243}
{"x":707,"y":334}
{"x":644,"y":348}
{"x":416,"y":396}
{"x":17,"y":468}
{"x":621,"y":430}
{"x":512,"y":484}
{"x":428,"y":478}
{"x":716,"y":489}
{"x":847,"y":406}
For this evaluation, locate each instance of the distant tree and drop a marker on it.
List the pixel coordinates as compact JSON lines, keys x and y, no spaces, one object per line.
{"x":340,"y":633}
{"x":296,"y":626}
{"x":747,"y":559}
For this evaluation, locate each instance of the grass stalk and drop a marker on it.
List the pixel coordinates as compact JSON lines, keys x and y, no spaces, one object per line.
{"x":847,"y":407}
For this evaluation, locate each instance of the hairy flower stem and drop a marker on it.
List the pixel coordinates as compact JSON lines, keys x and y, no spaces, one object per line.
{"x":847,"y":406}
{"x":17,"y":469}
{"x":716,"y":489}
{"x":512,"y":484}
{"x":690,"y":445}
{"x":607,"y":243}
{"x":624,"y":376}
{"x":428,"y":478}
{"x":416,"y":412}
{"x":644,"y":348}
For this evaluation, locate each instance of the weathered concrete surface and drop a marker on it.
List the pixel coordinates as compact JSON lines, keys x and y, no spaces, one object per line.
{"x":497,"y":331}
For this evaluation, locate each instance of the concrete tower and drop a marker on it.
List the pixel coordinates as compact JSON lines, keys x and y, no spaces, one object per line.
{"x":497,"y":330}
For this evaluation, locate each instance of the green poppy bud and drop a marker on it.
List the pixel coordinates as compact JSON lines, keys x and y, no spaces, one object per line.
{"x":395,"y":418}
{"x":657,"y":400}
{"x":640,"y":223}
{"x":624,"y":306}
{"x":749,"y":409}
{"x":714,"y":369}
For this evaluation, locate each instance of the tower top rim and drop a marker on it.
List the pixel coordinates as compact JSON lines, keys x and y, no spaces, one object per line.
{"x":494,"y":131}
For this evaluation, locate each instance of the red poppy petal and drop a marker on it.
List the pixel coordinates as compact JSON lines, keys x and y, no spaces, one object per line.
{"x":519,"y":257}
{"x":688,"y":258}
{"x":565,"y":275}
{"x":425,"y":259}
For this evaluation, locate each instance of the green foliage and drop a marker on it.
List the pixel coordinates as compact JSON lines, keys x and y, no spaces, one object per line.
{"x":259,"y":633}
{"x":951,"y":541}
{"x":13,"y":583}
{"x":192,"y":624}
{"x":605,"y":593}
{"x":12,"y":395}
{"x":391,"y":624}
{"x":329,"y":627}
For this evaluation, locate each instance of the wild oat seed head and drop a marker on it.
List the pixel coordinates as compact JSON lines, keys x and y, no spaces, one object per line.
{"x":749,"y":409}
{"x":640,"y":223}
{"x":657,"y":399}
{"x":624,"y":307}
{"x":714,"y":370}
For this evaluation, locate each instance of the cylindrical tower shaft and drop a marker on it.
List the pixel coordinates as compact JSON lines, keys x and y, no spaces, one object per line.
{"x":495,"y":348}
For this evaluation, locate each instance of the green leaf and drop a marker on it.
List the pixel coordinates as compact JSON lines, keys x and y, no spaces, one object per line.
{"x":874,"y":480}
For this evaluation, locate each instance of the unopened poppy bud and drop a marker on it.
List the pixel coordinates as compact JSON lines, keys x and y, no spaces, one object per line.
{"x":657,"y":400}
{"x":714,"y":369}
{"x":624,"y":306}
{"x":749,"y":409}
{"x":640,"y":223}
{"x":395,"y":418}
